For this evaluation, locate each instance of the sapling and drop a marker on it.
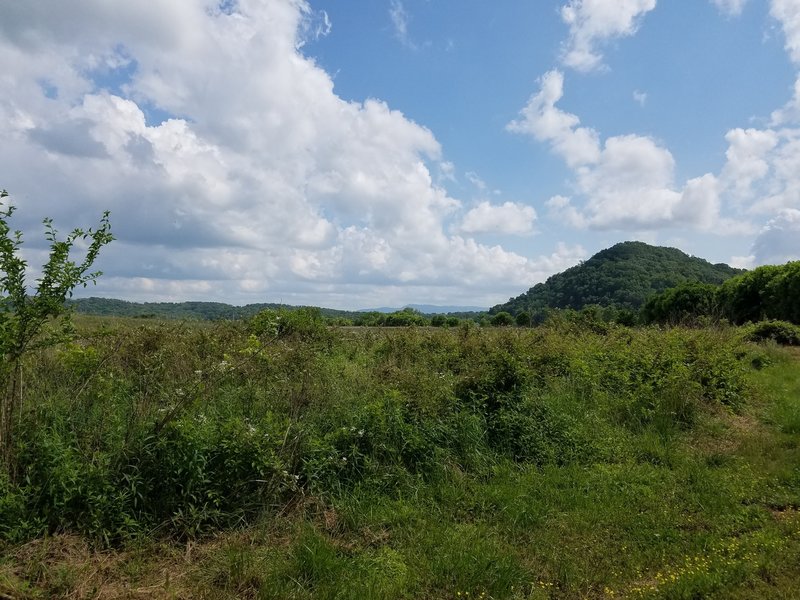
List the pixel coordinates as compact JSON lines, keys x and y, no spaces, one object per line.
{"x":24,"y":315}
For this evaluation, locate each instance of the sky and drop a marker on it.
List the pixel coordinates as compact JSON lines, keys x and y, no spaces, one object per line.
{"x":358,"y":153}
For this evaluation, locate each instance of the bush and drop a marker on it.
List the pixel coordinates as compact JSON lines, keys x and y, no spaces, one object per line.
{"x":781,"y":332}
{"x":438,"y":321}
{"x":502,"y":319}
{"x":305,"y":323}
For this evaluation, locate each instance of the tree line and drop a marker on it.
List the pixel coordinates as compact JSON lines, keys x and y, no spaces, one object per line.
{"x":770,"y":292}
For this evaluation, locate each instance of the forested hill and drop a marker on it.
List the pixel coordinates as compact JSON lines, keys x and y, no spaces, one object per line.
{"x":624,"y":275}
{"x":181,"y":310}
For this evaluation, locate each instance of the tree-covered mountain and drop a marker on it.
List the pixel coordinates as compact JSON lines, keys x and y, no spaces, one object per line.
{"x":625,"y":276}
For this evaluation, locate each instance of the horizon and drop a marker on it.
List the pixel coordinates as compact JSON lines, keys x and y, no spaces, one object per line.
{"x":412,"y":305}
{"x":398,"y":152}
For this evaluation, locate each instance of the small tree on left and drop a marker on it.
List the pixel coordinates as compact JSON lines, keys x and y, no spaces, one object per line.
{"x":25,"y":317}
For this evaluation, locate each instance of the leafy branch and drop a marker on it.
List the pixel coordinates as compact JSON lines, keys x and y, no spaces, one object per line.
{"x":23,"y":316}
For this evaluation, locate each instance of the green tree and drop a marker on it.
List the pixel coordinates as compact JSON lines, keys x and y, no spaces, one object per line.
{"x":683,"y":304}
{"x":744,"y":298}
{"x":782,"y":294}
{"x":438,"y":321}
{"x":523,"y":319}
{"x":24,"y":316}
{"x":502,"y":319}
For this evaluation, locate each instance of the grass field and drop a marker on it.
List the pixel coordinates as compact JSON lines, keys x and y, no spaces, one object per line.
{"x":565,"y":461}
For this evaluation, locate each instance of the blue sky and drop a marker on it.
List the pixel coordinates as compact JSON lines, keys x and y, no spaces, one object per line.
{"x":365,"y":153}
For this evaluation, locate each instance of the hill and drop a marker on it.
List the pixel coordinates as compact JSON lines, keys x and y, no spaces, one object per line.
{"x":625,"y":276}
{"x":182,"y":310}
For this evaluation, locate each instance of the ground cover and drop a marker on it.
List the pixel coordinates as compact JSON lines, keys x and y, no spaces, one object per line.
{"x":291,"y":460}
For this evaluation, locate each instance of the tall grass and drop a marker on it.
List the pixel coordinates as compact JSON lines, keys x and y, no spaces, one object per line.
{"x":560,"y":461}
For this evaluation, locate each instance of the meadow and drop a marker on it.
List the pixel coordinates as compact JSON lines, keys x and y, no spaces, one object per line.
{"x":283,"y":458}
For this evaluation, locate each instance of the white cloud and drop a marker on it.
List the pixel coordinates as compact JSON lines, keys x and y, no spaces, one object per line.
{"x":789,"y":113}
{"x":627,"y":181}
{"x":475,"y":180}
{"x":315,"y":25}
{"x":731,"y":8}
{"x":640,"y":97}
{"x":593,"y":22}
{"x":400,"y":20}
{"x":747,"y":154}
{"x":541,"y":119}
{"x":255,"y":181}
{"x":447,"y":171}
{"x":742,"y":262}
{"x":509,"y":218}
{"x":560,"y":208}
{"x":762,"y":172}
{"x":787,"y":12}
{"x":779,"y":241}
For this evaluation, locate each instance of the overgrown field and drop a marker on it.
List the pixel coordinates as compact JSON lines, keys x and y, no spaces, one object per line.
{"x":282,"y":459}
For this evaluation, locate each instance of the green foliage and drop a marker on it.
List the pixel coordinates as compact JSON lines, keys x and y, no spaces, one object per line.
{"x":574,"y":459}
{"x":682,"y":305}
{"x":304,"y":322}
{"x":23,"y":317}
{"x":768,"y":292}
{"x":190,"y":430}
{"x":502,"y":319}
{"x":624,"y":276}
{"x":781,"y":332}
{"x":438,"y":321}
{"x":404,"y":318}
{"x":200,"y":311}
{"x":401,"y":318}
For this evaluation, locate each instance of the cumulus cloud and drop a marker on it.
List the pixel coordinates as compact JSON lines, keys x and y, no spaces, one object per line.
{"x":789,"y":113}
{"x":627,"y":181}
{"x":762,"y":171}
{"x":509,"y":218}
{"x":231,"y":167}
{"x":787,"y":12}
{"x":544,"y":121}
{"x":592,"y":23}
{"x":747,"y":158}
{"x":779,"y":241}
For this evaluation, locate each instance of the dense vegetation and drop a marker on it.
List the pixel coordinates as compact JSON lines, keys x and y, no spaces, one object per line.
{"x":765,"y":293}
{"x":216,"y":311}
{"x":284,"y":457}
{"x":623,"y":276}
{"x":281,"y":458}
{"x":204,"y":311}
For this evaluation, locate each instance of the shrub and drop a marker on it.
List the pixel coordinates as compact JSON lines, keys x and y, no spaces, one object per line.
{"x":438,"y":321}
{"x":502,"y":319}
{"x":24,"y":317}
{"x":781,"y":332}
{"x":305,"y":323}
